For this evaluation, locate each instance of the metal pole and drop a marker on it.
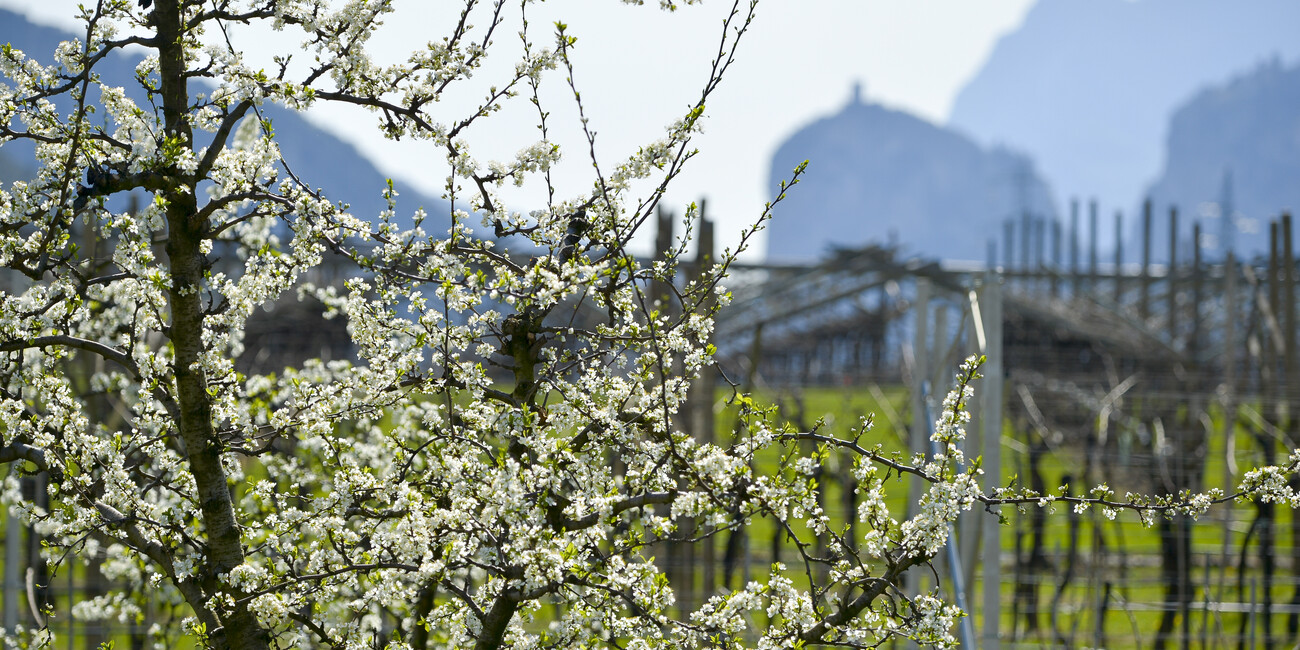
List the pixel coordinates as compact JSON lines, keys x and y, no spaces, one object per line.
{"x":13,"y":560}
{"x":968,"y":523}
{"x":991,"y":434}
{"x":920,"y":430}
{"x":965,"y":627}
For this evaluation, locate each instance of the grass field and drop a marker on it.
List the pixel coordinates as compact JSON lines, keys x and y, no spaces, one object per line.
{"x":1116,"y":560}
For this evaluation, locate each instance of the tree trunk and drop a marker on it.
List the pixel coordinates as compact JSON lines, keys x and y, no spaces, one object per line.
{"x":238,"y":630}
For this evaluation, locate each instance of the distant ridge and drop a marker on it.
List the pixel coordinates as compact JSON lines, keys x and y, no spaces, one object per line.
{"x":1237,"y":144}
{"x":319,"y":158}
{"x":1086,"y":86}
{"x":877,"y":175}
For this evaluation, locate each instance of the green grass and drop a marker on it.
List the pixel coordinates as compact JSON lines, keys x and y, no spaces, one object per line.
{"x":1136,"y":588}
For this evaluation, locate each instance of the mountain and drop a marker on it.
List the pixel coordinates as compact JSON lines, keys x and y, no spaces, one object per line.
{"x":877,"y":175}
{"x":319,"y":158}
{"x":13,"y":168}
{"x":1236,"y":147}
{"x":1086,"y":87}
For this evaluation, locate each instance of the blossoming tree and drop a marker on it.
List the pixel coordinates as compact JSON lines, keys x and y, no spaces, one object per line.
{"x":502,"y":460}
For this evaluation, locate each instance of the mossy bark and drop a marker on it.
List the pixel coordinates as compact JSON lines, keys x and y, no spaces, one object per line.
{"x":238,"y":628}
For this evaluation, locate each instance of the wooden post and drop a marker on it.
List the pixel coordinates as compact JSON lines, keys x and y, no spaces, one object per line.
{"x":1056,"y":257}
{"x":1039,"y":242}
{"x":13,"y":566}
{"x":1009,"y":235}
{"x":671,"y":561}
{"x":664,"y":232}
{"x":1144,"y":300}
{"x":991,"y":435}
{"x":1172,"y":316}
{"x":1119,"y":258}
{"x":663,"y":243}
{"x":1026,"y":240}
{"x":1074,"y":246}
{"x":1198,"y":404}
{"x":1229,"y":398}
{"x":1293,"y":422}
{"x":1194,"y":343}
{"x":701,"y":408}
{"x":1274,"y":301}
{"x":1267,"y":511}
{"x":1092,"y":245}
{"x":660,"y":291}
{"x":1289,"y":320}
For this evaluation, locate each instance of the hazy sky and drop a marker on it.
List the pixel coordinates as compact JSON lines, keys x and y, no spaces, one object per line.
{"x":639,"y":68}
